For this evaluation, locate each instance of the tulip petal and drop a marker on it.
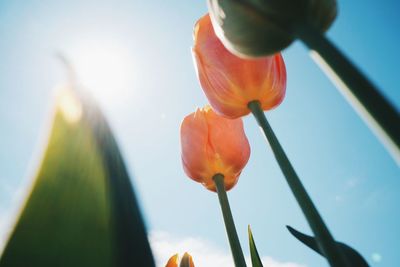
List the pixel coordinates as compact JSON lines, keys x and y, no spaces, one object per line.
{"x":230,"y":82}
{"x":231,"y":149}
{"x":212,"y":144}
{"x":187,"y":260}
{"x":194,"y":154}
{"x":173,"y":261}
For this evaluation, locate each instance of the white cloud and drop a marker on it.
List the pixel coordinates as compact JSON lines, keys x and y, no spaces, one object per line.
{"x":204,"y":253}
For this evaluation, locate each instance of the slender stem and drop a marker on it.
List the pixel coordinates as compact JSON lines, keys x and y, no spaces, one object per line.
{"x":236,"y":249}
{"x":381,"y":116}
{"x":323,"y":236}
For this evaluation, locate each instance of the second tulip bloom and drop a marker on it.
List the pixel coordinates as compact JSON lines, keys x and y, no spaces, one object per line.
{"x":212,"y":144}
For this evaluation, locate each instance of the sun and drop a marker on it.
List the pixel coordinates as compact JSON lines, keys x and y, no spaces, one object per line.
{"x":104,"y":67}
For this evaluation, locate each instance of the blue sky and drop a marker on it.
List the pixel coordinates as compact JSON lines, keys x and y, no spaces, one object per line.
{"x":146,"y":84}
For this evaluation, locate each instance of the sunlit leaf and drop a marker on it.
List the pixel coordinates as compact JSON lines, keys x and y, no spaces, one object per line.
{"x":255,"y":257}
{"x":352,"y":256}
{"x":82,"y":210}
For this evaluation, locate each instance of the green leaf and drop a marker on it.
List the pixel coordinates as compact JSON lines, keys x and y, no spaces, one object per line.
{"x":255,"y":257}
{"x":352,"y":256}
{"x":82,"y":210}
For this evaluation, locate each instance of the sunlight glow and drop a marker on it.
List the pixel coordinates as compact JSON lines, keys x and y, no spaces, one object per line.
{"x":69,"y":105}
{"x":103,"y":67}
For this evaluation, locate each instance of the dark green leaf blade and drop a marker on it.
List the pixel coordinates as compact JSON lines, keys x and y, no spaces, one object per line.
{"x":255,"y":257}
{"x":82,"y":210}
{"x":352,"y":256}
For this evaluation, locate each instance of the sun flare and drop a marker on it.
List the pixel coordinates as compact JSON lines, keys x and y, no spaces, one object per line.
{"x":69,"y":105}
{"x":104,"y":67}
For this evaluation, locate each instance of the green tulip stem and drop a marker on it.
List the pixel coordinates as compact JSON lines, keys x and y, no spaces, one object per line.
{"x":236,"y":249}
{"x":323,"y":236}
{"x":381,"y":116}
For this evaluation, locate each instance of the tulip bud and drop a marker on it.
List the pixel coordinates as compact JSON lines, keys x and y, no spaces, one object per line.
{"x":187,"y":261}
{"x":173,"y":261}
{"x":254,"y":28}
{"x":212,"y":145}
{"x":230,"y":82}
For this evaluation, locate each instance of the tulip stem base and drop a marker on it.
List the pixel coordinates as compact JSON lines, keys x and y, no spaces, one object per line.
{"x":373,"y":107}
{"x":323,"y":236}
{"x":233,"y":238}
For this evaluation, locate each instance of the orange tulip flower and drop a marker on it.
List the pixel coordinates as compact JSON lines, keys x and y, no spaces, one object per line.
{"x":187,"y":261}
{"x":173,"y":261}
{"x":230,"y":82}
{"x":212,"y":144}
